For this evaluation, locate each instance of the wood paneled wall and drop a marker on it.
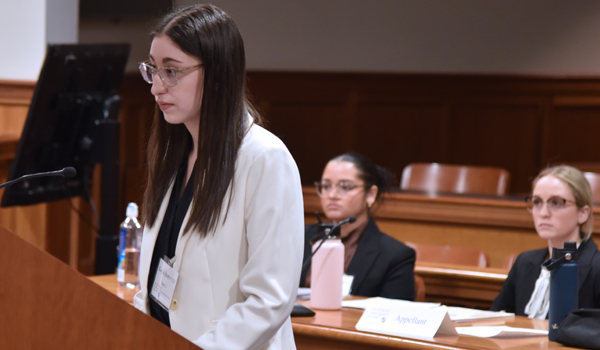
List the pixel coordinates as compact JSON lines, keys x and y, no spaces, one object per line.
{"x":136,"y":118}
{"x":53,"y":227}
{"x":14,"y":104}
{"x":56,"y":227}
{"x":519,"y":123}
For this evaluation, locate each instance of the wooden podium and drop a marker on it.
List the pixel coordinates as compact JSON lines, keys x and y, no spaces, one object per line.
{"x":44,"y":304}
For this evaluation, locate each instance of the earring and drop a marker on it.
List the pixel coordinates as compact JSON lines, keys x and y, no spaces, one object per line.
{"x":369,"y":204}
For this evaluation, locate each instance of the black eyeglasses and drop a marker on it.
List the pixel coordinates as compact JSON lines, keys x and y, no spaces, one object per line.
{"x":168,"y":75}
{"x":342,"y":187}
{"x":535,"y":203}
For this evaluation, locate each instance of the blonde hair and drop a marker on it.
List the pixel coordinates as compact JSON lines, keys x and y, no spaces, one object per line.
{"x":580,"y":188}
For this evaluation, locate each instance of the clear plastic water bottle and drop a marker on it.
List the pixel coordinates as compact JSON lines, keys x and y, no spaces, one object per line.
{"x":130,"y":233}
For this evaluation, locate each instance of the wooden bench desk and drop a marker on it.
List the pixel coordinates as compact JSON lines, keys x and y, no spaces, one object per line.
{"x":333,"y":330}
{"x":473,"y":287}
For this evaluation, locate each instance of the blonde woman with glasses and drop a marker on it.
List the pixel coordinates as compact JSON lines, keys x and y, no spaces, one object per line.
{"x":381,"y":266}
{"x":561,"y":206}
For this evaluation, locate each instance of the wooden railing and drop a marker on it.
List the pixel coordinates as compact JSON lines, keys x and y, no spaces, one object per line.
{"x":498,"y":226}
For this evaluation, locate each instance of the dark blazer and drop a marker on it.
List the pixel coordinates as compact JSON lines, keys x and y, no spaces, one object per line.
{"x":381,"y":266}
{"x":520,"y":283}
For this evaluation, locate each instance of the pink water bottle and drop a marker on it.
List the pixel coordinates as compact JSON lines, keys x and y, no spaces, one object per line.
{"x":327,"y":270}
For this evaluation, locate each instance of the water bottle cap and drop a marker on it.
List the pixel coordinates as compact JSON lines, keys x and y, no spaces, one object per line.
{"x":562,"y":255}
{"x":132,"y":210}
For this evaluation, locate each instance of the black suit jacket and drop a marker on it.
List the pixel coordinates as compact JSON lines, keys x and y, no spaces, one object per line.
{"x":381,"y":266}
{"x":520,"y":283}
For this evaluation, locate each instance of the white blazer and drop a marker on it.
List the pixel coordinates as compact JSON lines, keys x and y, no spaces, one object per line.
{"x":236,"y":288}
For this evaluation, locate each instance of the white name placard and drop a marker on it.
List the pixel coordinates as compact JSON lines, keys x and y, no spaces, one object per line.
{"x":406,"y":321}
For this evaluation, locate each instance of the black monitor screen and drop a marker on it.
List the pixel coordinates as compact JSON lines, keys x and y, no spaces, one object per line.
{"x":75,"y":86}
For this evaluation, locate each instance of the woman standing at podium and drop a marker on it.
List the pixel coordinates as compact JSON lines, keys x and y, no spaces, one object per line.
{"x":223,"y":211}
{"x":561,"y":206}
{"x":380,"y":265}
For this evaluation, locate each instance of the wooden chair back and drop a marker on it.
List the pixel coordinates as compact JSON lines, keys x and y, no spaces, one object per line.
{"x":463,"y":179}
{"x":447,"y":254}
{"x":509,"y":261}
{"x":419,"y":288}
{"x":594,"y":180}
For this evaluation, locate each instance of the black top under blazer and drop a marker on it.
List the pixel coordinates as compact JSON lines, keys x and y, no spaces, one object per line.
{"x":381,"y":266}
{"x":520,"y":283}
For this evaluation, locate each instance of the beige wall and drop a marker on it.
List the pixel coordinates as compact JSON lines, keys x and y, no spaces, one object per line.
{"x":457,"y":36}
{"x":22,"y":39}
{"x":548,"y":37}
{"x":26,"y":27}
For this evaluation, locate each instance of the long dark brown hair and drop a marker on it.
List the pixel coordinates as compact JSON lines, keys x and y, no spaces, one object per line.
{"x":206,"y":32}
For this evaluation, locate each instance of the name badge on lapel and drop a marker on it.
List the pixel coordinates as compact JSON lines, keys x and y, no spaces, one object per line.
{"x":165,"y":281}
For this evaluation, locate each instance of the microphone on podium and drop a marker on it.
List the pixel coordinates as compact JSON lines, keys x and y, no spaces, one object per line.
{"x":329,"y":232}
{"x":67,"y":172}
